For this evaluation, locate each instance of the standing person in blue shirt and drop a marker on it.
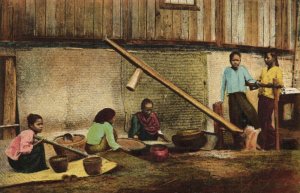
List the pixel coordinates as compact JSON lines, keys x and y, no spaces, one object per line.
{"x":241,"y":111}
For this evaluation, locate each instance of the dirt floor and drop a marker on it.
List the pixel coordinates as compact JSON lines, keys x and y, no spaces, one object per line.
{"x":202,"y":171}
{"x":187,"y":172}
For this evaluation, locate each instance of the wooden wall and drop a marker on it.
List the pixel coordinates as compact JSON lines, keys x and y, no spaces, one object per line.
{"x":258,"y":23}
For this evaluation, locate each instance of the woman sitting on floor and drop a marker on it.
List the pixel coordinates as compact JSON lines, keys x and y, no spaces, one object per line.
{"x":24,"y":153}
{"x":101,"y":135}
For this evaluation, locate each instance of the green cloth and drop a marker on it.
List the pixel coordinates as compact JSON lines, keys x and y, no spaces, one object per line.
{"x":98,"y":131}
{"x":138,"y":129}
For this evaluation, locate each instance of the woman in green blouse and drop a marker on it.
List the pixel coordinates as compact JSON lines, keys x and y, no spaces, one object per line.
{"x":101,"y":135}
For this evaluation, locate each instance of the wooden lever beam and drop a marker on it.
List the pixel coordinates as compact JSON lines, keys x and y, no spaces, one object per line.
{"x":62,"y":146}
{"x":152,"y":73}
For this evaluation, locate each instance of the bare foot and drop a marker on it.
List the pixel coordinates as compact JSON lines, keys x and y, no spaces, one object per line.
{"x":249,"y":132}
{"x":253,"y":140}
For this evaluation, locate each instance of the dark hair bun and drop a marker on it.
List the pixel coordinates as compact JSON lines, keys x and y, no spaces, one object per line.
{"x":31,"y":118}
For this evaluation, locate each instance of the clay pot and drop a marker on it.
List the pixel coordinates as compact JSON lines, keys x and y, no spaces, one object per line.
{"x":92,"y":165}
{"x":189,"y":139}
{"x":159,"y":152}
{"x":59,"y":163}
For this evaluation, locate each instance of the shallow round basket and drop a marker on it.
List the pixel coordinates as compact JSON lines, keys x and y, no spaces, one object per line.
{"x":59,"y":163}
{"x":136,"y":146}
{"x":92,"y":165}
{"x":77,"y":143}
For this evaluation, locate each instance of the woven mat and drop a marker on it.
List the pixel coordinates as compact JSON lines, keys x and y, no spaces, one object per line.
{"x":74,"y":168}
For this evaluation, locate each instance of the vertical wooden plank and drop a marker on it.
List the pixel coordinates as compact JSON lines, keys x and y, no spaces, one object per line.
{"x":89,"y":18}
{"x":200,"y":16}
{"x":248,"y":21}
{"x":98,"y":19}
{"x":254,"y":24}
{"x":228,"y":24}
{"x":278,"y":20}
{"x":60,"y":16}
{"x":79,"y":18}
{"x":142,"y":19}
{"x":50,"y":17}
{"x":18,"y":18}
{"x":125,"y":19}
{"x":117,"y":18}
{"x":272,"y":23}
{"x":213,"y":20}
{"x":241,"y":22}
{"x":289,"y":23}
{"x":166,"y":23}
{"x":150,"y":19}
{"x":1,"y":22}
{"x":176,"y":24}
{"x":40,"y":11}
{"x":293,"y":24}
{"x":207,"y":20}
{"x":108,"y":18}
{"x":193,"y":28}
{"x":158,"y":21}
{"x":6,"y":24}
{"x":234,"y":20}
{"x":266,"y":8}
{"x":135,"y":18}
{"x":284,"y":23}
{"x":184,"y":25}
{"x":220,"y":20}
{"x":10,"y":98}
{"x":129,"y":19}
{"x":70,"y":18}
{"x":260,"y":22}
{"x":29,"y":18}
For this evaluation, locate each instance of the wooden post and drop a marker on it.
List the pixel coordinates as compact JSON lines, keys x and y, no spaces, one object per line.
{"x":218,"y":128}
{"x":155,"y":75}
{"x":276,"y":99}
{"x":10,"y":98}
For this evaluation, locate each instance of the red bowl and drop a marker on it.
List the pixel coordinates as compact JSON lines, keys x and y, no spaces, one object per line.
{"x":159,"y":152}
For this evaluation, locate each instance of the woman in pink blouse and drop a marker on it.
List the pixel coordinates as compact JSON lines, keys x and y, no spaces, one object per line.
{"x":24,"y":153}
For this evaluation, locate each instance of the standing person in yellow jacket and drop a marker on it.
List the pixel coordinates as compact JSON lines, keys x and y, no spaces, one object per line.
{"x":266,"y":99}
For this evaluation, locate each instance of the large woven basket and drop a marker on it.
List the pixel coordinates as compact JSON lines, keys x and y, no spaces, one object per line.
{"x":77,"y":143}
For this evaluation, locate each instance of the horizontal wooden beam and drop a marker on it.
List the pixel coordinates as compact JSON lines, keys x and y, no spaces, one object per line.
{"x":9,"y":126}
{"x":88,"y":43}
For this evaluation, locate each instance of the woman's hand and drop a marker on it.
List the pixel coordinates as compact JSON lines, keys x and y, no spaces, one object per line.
{"x":219,"y":102}
{"x":125,"y":149}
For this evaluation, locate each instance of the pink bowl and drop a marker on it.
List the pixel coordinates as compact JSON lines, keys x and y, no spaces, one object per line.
{"x":159,"y":152}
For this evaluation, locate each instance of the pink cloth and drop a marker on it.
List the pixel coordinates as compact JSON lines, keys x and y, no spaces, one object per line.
{"x":22,"y":144}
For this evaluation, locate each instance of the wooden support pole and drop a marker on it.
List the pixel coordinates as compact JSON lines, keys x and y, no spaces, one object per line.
{"x":10,"y":98}
{"x":218,"y":129}
{"x":276,"y":92}
{"x":155,"y":75}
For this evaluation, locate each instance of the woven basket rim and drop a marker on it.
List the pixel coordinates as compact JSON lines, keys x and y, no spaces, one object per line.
{"x":83,"y":140}
{"x":188,"y":132}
